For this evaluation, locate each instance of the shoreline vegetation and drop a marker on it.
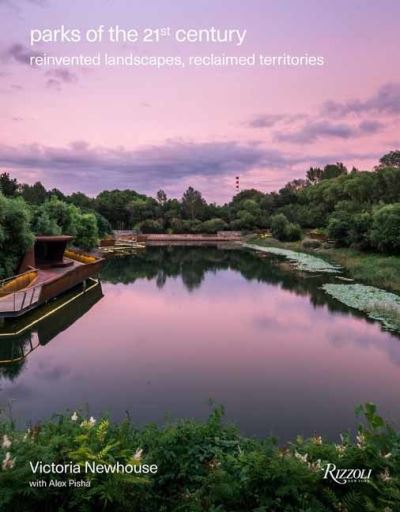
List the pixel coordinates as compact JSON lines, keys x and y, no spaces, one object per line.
{"x":301,"y":260}
{"x":377,"y":303}
{"x":374,"y":269}
{"x":197,"y":467}
{"x":356,"y":209}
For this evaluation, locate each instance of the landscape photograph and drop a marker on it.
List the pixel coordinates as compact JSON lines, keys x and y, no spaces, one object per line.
{"x":199,"y":256}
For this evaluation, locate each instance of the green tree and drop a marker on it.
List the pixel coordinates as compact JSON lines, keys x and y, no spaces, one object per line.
{"x":213,"y":225}
{"x":34,"y":194}
{"x":360,"y":230}
{"x":391,"y":159}
{"x":151,"y":226}
{"x":81,"y":200}
{"x":284,"y":230}
{"x":314,"y":174}
{"x":116,"y":207}
{"x":8,"y":186}
{"x":140,"y":209}
{"x":54,"y":192}
{"x":65,"y":215}
{"x":251,"y":206}
{"x":339,"y":227}
{"x":250,"y":193}
{"x":244,"y":220}
{"x":385,"y":232}
{"x":103,"y":226}
{"x":176,"y":225}
{"x":57,"y":217}
{"x":161,"y":197}
{"x":87,"y":235}
{"x":193,"y":204}
{"x":15,"y":233}
{"x":333,"y":171}
{"x":43,"y":224}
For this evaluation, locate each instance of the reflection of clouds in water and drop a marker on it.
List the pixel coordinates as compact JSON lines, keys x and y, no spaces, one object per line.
{"x":339,"y":339}
{"x":141,"y":340}
{"x":360,"y":337}
{"x":244,"y":337}
{"x":52,"y":372}
{"x":282,"y":326}
{"x":18,"y":391}
{"x":286,"y":313}
{"x":266,"y":322}
{"x":339,"y":331}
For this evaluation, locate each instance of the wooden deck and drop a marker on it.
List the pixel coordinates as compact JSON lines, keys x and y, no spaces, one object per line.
{"x":49,"y":283}
{"x":48,"y":274}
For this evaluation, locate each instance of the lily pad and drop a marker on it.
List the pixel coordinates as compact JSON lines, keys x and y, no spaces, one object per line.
{"x":302,"y":261}
{"x":376,"y":303}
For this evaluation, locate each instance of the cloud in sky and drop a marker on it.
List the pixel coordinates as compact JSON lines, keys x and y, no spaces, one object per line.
{"x":269,"y":120}
{"x":57,"y":77}
{"x":311,"y":132}
{"x":385,"y":101}
{"x":15,"y":4}
{"x":63,"y":75}
{"x":148,"y":168}
{"x":19,"y":53}
{"x":174,"y":158}
{"x":210,"y":106}
{"x":265,"y":120}
{"x":144,"y":168}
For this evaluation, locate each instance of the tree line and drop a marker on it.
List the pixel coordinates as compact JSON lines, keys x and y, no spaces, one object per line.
{"x":355,"y":208}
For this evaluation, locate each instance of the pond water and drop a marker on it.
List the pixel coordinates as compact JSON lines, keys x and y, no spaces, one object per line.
{"x":173,"y":327}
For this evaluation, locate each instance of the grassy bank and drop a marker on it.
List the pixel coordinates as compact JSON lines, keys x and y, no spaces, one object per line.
{"x":206,"y":467}
{"x":369,"y":268}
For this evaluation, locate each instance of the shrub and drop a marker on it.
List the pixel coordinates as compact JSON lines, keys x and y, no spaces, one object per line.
{"x":359,"y":232}
{"x":54,"y":217}
{"x":212,"y":226}
{"x":151,"y":226}
{"x":44,"y":225}
{"x":309,"y":243}
{"x":279,"y":225}
{"x":350,"y":228}
{"x":201,"y":467}
{"x":385,"y":232}
{"x":284,"y":230}
{"x":293,"y":232}
{"x":176,"y":225}
{"x":244,"y":220}
{"x":15,"y":233}
{"x":87,"y":235}
{"x":103,"y":226}
{"x":185,"y":226}
{"x":339,"y":226}
{"x":192,"y":226}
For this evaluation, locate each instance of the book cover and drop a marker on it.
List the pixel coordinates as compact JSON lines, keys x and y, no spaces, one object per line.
{"x":199,"y":256}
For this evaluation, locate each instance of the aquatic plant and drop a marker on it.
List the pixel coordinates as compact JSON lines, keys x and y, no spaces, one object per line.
{"x":376,"y":303}
{"x":302,"y":261}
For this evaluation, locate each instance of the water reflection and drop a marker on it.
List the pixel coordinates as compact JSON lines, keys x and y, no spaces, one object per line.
{"x":48,"y":322}
{"x":191,"y":264}
{"x":178,"y":325}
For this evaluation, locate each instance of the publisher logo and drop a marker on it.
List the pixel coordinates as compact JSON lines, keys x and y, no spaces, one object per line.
{"x":346,"y":476}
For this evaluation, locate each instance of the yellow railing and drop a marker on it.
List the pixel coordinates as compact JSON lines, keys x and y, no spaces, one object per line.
{"x":15,"y":284}
{"x":79,"y":256}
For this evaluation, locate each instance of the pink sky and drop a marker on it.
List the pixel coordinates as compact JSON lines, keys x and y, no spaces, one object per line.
{"x":91,"y":129}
